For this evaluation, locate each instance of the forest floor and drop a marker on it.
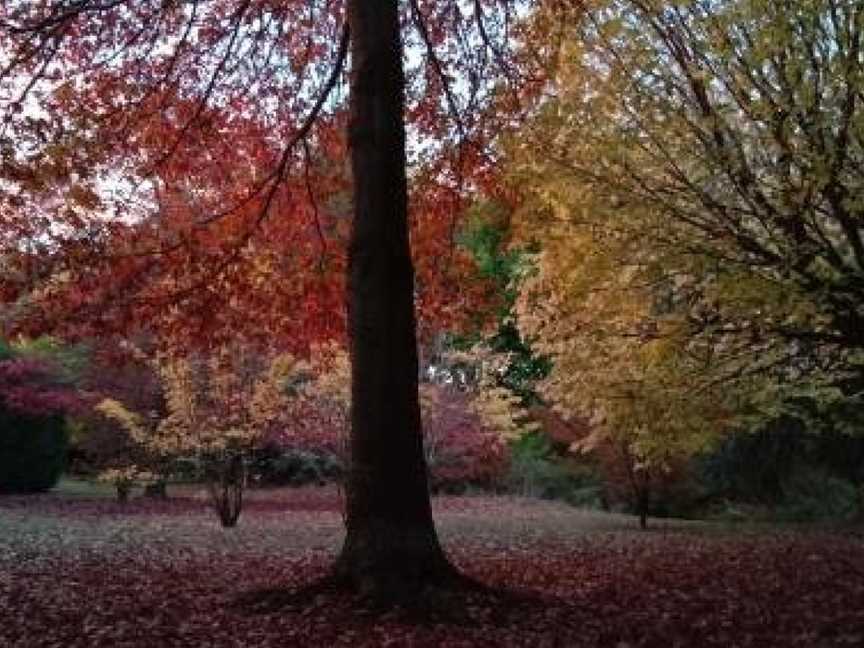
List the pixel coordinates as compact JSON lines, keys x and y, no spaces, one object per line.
{"x":77,"y":569}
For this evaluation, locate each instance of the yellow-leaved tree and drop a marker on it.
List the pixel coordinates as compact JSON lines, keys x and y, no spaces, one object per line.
{"x":693,"y":178}
{"x":465,"y":431}
{"x":601,"y":306}
{"x":218,"y":407}
{"x":657,"y":331}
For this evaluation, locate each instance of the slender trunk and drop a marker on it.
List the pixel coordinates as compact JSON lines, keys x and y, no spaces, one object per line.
{"x":226,"y":489}
{"x":642,"y":505}
{"x":638,"y":483}
{"x":157,"y":490}
{"x":123,"y":489}
{"x":391,"y":544}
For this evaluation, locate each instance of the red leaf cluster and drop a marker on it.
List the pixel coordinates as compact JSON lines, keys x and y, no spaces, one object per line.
{"x":29,"y":386}
{"x":460,"y":449}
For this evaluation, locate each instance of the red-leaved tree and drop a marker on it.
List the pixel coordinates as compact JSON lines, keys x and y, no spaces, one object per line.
{"x":180,"y":163}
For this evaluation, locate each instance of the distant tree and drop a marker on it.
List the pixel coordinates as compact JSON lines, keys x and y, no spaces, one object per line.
{"x":210,"y":415}
{"x":604,"y":308}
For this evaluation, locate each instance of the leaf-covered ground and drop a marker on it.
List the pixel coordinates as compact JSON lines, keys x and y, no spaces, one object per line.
{"x":78,"y":571}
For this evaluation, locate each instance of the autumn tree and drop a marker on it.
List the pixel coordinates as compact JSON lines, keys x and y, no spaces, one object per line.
{"x":620,"y":358}
{"x":466,"y":429}
{"x":219,"y":406}
{"x":694,"y":177}
{"x":238,"y":94}
{"x":460,"y":447}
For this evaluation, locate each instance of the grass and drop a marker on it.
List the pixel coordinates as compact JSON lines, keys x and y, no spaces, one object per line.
{"x":72,"y":488}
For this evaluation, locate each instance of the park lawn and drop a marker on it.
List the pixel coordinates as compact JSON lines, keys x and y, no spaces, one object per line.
{"x":77,"y":569}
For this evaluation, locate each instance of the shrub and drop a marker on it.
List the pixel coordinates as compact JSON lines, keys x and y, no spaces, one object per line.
{"x":34,"y":397}
{"x":787,"y":472}
{"x":812,"y":494}
{"x":123,"y":480}
{"x":272,"y":466}
{"x":32,"y":451}
{"x":534,"y":471}
{"x":753,"y":466}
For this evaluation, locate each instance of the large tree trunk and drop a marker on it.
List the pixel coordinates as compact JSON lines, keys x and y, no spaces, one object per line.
{"x":391,"y":544}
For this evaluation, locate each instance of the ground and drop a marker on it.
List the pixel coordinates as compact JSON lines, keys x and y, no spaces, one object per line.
{"x":77,"y":569}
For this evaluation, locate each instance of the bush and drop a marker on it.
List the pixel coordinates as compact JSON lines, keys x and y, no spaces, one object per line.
{"x":534,"y":471}
{"x":277,"y":467}
{"x":752,"y":467}
{"x":32,"y":452}
{"x":35,"y":394}
{"x":812,"y":494}
{"x":783,"y":471}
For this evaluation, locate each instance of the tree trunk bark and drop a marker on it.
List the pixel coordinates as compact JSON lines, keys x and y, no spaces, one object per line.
{"x":226,"y":485}
{"x":642,"y":505}
{"x":123,"y":490}
{"x":391,"y":545}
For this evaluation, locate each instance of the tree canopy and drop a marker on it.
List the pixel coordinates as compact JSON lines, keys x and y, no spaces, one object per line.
{"x":181,"y":165}
{"x":694,"y":181}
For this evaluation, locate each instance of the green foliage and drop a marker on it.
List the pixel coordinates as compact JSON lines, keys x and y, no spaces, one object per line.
{"x":32,"y":452}
{"x":535,"y":472}
{"x":813,"y":494}
{"x":525,"y":367}
{"x":5,"y":350}
{"x":486,"y":236}
{"x":70,"y":360}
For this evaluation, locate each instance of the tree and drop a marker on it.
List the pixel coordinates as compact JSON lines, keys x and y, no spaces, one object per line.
{"x":171,"y":82}
{"x":219,"y":407}
{"x":461,"y":447}
{"x":619,"y":358}
{"x":692,"y":181}
{"x":465,"y":431}
{"x":694,"y":188}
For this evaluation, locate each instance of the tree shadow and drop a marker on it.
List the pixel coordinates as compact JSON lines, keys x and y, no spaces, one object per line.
{"x":459,"y":601}
{"x":277,"y":599}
